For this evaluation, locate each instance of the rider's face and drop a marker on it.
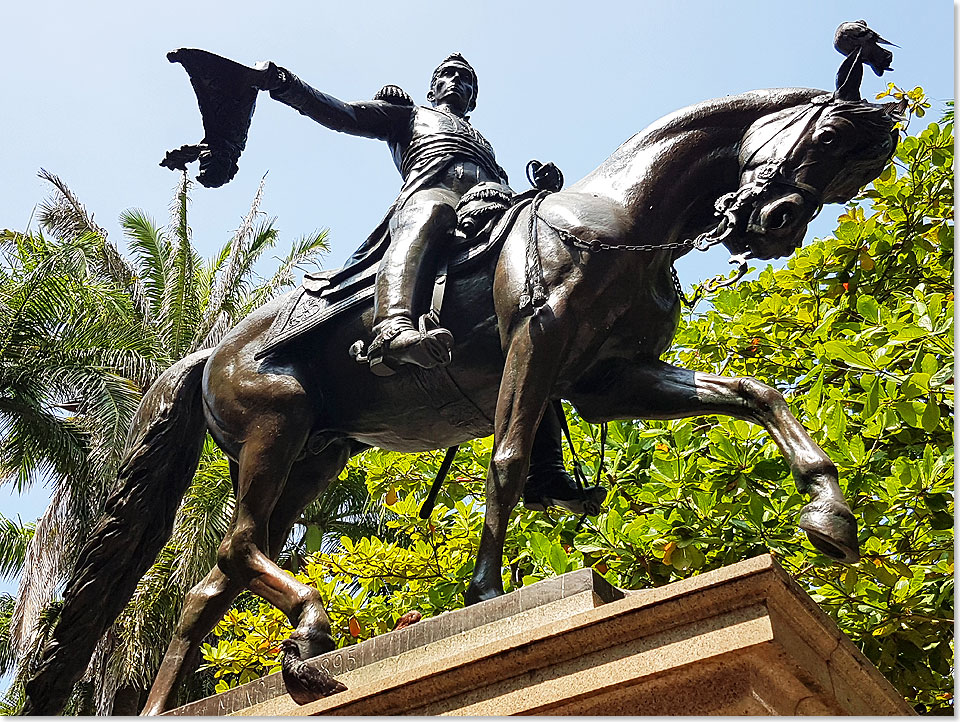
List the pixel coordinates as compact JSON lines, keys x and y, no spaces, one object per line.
{"x":454,"y":87}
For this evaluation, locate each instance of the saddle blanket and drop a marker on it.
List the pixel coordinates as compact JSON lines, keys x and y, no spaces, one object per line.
{"x":323,"y":296}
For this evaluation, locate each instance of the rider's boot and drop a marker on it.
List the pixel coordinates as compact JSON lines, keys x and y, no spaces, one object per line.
{"x":397,"y":342}
{"x":548,"y":483}
{"x":417,"y":234}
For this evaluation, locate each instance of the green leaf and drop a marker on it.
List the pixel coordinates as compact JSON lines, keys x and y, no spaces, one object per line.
{"x":540,"y":545}
{"x":557,"y":558}
{"x":872,"y":398}
{"x":930,"y":419}
{"x":941,"y":520}
{"x":930,"y":366}
{"x":868,"y":307}
{"x":852,"y":357}
{"x":915,"y":385}
{"x":812,"y":399}
{"x":856,"y":450}
{"x":910,"y":412}
{"x":313,"y":538}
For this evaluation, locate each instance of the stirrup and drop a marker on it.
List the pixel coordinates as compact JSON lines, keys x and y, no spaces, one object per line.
{"x":430,"y":349}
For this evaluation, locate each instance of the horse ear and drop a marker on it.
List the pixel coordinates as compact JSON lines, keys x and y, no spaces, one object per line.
{"x":899,"y":107}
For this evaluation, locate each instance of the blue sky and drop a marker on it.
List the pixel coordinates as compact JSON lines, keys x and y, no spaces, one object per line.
{"x":89,"y":95}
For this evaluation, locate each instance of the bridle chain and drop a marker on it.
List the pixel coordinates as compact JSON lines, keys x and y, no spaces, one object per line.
{"x":702,"y":242}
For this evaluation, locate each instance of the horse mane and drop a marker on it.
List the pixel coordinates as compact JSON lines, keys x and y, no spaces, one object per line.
{"x":740,"y":110}
{"x":874,"y":120}
{"x":733,"y":112}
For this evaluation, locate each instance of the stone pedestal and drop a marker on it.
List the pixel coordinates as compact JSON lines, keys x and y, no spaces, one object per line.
{"x":745,"y":639}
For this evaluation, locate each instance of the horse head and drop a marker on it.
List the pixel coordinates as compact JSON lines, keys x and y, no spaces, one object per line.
{"x":794,"y":161}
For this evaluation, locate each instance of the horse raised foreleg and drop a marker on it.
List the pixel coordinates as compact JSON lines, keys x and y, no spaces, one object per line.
{"x":528,"y":377}
{"x":208,"y":601}
{"x":651,"y":389}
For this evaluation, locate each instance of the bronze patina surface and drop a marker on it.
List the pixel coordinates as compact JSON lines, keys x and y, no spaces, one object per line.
{"x":763,"y":162}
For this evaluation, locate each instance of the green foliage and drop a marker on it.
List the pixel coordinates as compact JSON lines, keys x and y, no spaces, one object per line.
{"x":70,"y":362}
{"x":14,"y":540}
{"x":83,"y":332}
{"x":7,"y":656}
{"x":856,"y":331}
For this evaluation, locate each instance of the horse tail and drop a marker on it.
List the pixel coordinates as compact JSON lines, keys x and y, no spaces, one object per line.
{"x":161,"y":455}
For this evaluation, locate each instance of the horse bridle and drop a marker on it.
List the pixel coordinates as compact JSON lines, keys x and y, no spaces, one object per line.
{"x":771,"y":173}
{"x":729,"y":206}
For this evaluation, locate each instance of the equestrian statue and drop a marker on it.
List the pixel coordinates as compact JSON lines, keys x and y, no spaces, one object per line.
{"x":471,"y":310}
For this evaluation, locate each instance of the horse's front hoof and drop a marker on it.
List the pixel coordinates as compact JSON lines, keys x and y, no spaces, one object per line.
{"x":832,"y":529}
{"x":475,"y":594}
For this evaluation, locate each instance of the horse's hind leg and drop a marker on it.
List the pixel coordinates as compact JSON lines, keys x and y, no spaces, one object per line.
{"x":209,"y":600}
{"x":656,"y":390}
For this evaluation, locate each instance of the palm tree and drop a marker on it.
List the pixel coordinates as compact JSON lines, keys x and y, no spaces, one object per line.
{"x":344,"y":509}
{"x":71,"y":360}
{"x":83,"y":332}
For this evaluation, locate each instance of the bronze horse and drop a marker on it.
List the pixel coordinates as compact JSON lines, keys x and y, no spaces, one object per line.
{"x":290,"y":422}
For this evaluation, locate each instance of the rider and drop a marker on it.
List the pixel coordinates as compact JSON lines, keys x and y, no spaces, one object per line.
{"x":440,"y":156}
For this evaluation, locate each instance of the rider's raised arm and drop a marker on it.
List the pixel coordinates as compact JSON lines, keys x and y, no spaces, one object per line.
{"x":371,"y":119}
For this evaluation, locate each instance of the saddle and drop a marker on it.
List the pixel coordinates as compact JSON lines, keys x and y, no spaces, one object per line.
{"x":485,"y":214}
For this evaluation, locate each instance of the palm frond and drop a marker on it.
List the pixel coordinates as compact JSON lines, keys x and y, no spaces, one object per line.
{"x":11,"y":702}
{"x":66,"y":217}
{"x":63,"y":214}
{"x":178,"y":212}
{"x":97,"y":688}
{"x":15,"y":537}
{"x":180,"y":314}
{"x":306,"y":251}
{"x":50,"y":555}
{"x":206,"y":273}
{"x":230,"y":309}
{"x":231,"y":271}
{"x":7,"y":656}
{"x":36,"y":443}
{"x":152,"y":252}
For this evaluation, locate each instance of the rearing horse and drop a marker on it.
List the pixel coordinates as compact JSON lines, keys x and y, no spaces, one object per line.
{"x":289,"y":422}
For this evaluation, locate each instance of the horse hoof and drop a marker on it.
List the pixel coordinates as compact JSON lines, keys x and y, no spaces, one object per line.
{"x":832,"y":529}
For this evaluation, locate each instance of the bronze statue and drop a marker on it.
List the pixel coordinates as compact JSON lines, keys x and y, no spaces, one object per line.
{"x":602,"y":253}
{"x":305,"y":684}
{"x":441,"y":157}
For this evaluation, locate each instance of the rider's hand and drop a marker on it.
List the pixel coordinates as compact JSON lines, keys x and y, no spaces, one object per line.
{"x":544,"y":176}
{"x":393,"y":94}
{"x":272,"y":76}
